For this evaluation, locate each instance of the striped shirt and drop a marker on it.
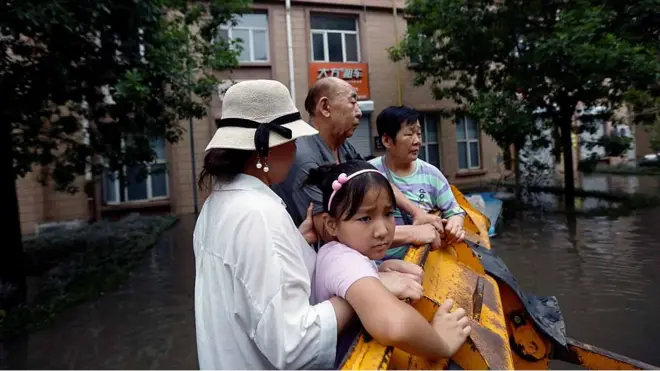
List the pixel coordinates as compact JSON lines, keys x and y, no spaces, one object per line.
{"x":426,"y":187}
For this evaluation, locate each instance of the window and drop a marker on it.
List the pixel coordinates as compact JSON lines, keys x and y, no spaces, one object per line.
{"x":252,"y":30}
{"x":430,"y":149}
{"x":335,"y":38}
{"x":467,"y":136}
{"x":154,"y":187}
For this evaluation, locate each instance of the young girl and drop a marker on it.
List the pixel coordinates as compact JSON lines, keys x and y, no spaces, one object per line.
{"x":359,"y":202}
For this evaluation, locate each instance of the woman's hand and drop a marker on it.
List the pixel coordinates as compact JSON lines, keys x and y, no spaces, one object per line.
{"x":402,"y":285}
{"x":421,"y":217}
{"x":307,"y":226}
{"x":427,"y":234}
{"x":454,"y":232}
{"x":414,"y":271}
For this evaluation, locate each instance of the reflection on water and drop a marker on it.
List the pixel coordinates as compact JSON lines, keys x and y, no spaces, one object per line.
{"x":620,"y":183}
{"x":595,"y":182}
{"x":604,"y":273}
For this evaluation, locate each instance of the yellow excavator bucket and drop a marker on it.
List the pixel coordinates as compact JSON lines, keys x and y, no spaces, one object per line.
{"x":510,"y":329}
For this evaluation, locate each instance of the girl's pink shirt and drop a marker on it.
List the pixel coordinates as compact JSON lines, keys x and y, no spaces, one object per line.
{"x":337,"y":268}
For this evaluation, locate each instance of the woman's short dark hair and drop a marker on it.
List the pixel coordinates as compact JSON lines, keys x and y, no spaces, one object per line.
{"x":222,"y":164}
{"x":392,"y":119}
{"x":348,"y":199}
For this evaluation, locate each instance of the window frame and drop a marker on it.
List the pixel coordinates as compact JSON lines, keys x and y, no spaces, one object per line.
{"x":148,"y":182}
{"x":250,"y":42}
{"x":467,"y":142}
{"x":343,"y":33}
{"x":425,"y":142}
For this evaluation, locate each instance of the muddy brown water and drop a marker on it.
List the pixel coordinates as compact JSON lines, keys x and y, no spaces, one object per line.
{"x":605,"y":273}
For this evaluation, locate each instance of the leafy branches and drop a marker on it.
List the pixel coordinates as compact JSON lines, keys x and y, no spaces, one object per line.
{"x":509,"y":58}
{"x":80,"y":76}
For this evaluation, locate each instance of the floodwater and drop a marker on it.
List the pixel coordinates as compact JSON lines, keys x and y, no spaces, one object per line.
{"x":604,"y":273}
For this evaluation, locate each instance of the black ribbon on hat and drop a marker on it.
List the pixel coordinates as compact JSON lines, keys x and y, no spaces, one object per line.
{"x":262,"y":135}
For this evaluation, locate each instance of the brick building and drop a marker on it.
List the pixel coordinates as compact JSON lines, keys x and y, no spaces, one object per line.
{"x":345,"y":38}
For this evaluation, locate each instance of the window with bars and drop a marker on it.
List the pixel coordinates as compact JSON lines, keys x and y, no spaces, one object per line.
{"x":334,"y":38}
{"x":430,"y":148}
{"x":467,"y":138}
{"x":136,"y":188}
{"x":252,"y":30}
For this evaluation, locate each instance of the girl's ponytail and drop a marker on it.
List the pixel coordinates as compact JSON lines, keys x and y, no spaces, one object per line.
{"x":321,"y":176}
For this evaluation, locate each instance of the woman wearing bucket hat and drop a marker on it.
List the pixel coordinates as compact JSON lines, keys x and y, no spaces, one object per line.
{"x":253,"y":301}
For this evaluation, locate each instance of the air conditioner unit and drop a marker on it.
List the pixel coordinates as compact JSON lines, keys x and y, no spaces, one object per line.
{"x":366,"y":106}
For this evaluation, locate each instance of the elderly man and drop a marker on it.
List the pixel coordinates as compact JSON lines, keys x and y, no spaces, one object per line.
{"x":334,"y":112}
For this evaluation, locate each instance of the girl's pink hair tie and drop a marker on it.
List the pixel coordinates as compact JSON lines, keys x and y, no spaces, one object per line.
{"x":343,"y":178}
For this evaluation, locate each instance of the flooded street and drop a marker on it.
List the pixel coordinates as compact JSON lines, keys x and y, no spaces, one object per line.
{"x":604,"y":273}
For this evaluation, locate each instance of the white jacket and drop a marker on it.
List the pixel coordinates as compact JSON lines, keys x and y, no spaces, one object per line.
{"x":253,"y":304}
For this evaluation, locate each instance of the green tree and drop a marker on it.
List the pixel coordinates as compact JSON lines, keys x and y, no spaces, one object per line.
{"x":131,"y":69}
{"x":508,"y":121}
{"x":550,"y":54}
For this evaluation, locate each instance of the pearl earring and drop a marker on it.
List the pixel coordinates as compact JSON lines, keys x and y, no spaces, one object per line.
{"x":264,"y":165}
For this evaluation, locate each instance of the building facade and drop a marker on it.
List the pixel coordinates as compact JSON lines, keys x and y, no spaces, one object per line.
{"x":344,"y":38}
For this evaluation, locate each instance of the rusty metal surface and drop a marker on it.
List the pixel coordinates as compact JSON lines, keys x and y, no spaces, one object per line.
{"x":478,"y":299}
{"x":483,"y":350}
{"x":445,"y":277}
{"x":595,"y":358}
{"x":544,"y":310}
{"x":491,"y":347}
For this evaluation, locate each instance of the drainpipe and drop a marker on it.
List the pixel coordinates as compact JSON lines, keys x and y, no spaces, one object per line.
{"x":191,"y":131}
{"x":396,"y":40}
{"x":289,"y":46}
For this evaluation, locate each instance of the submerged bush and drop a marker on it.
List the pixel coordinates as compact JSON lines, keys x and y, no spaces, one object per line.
{"x":77,"y":265}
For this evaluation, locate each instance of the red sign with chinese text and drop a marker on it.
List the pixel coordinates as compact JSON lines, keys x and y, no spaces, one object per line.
{"x":356,"y":74}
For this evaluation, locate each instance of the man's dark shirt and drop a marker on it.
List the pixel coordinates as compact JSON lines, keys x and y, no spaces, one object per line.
{"x":312,"y":152}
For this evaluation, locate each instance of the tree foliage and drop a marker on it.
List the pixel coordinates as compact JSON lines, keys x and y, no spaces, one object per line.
{"x":87,"y":85}
{"x":131,"y":69}
{"x":532,"y":54}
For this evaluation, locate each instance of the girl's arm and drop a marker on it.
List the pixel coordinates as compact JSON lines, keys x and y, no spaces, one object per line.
{"x":346,"y":273}
{"x":393,"y":322}
{"x":343,"y":311}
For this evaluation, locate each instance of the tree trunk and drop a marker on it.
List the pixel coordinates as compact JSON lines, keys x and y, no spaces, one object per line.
{"x":12,"y":263}
{"x":517,"y":172}
{"x":566,"y":129}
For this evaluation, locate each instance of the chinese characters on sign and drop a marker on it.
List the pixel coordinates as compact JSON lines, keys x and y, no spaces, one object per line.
{"x":343,"y":73}
{"x":355,"y":74}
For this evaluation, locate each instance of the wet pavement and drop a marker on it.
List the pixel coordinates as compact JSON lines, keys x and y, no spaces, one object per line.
{"x":147,"y":324}
{"x":604,"y":273}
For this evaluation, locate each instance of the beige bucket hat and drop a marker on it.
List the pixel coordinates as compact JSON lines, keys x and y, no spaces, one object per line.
{"x":258,"y":115}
